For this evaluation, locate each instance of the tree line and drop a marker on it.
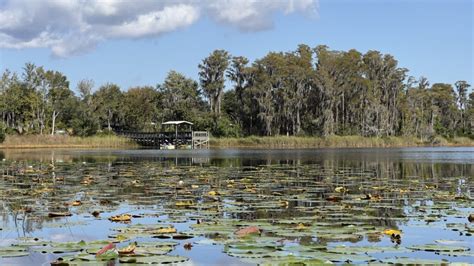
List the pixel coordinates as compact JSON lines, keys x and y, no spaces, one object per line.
{"x":308,"y":91}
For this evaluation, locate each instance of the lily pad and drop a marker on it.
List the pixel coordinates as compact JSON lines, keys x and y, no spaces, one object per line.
{"x":439,"y":248}
{"x":156,"y":259}
{"x":13,"y":251}
{"x":413,"y":261}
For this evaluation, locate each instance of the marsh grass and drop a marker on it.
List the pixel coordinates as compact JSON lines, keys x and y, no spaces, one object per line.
{"x":112,"y":141}
{"x":335,"y":142}
{"x":64,"y":141}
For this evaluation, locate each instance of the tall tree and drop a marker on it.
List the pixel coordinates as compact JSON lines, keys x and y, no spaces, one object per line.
{"x":85,"y":121}
{"x":462,"y":87}
{"x":325,"y":92}
{"x":212,"y":77}
{"x":140,"y":107}
{"x":240,"y":74}
{"x":445,"y":110}
{"x":58,"y":94}
{"x":180,"y":97}
{"x":108,"y":104}
{"x":300,"y":79}
{"x":267,"y":81}
{"x":470,"y":115}
{"x":305,"y":91}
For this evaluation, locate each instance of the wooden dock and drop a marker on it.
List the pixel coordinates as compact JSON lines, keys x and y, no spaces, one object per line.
{"x":163,"y":140}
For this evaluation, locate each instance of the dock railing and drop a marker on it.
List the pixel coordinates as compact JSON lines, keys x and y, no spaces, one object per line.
{"x":200,"y":140}
{"x":193,"y":139}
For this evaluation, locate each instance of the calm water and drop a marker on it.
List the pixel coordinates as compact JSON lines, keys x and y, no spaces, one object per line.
{"x":308,"y":204}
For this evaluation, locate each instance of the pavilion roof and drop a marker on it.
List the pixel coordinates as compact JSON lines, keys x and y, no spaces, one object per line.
{"x":176,"y":122}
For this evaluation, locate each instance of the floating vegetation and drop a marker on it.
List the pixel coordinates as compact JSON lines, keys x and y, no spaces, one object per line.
{"x":13,"y":251}
{"x":121,"y":218}
{"x":309,"y":214}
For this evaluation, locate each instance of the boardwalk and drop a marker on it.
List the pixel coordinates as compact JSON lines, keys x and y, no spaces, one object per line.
{"x":187,"y":139}
{"x":162,"y":140}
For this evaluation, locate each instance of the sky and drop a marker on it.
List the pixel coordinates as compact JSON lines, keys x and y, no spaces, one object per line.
{"x":136,"y":43}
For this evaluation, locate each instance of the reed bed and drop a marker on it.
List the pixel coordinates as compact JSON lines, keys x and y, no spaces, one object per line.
{"x":334,"y":142}
{"x":64,"y":141}
{"x":112,"y":141}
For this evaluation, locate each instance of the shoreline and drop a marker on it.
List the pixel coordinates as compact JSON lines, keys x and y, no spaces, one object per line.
{"x":337,"y":142}
{"x":65,"y":142}
{"x":276,"y":142}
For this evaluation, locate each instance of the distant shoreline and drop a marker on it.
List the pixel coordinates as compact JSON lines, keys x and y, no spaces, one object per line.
{"x":277,"y":142}
{"x":337,"y":142}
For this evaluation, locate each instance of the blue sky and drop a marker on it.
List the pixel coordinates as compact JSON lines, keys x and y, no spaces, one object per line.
{"x":431,"y":38}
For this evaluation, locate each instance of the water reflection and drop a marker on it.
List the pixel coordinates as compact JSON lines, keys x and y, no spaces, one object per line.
{"x":370,"y":189}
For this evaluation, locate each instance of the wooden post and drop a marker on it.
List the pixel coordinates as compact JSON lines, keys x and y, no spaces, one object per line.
{"x":176,"y":137}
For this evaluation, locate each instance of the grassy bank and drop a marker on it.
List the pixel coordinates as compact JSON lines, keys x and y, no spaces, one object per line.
{"x":334,"y":142}
{"x":48,"y":141}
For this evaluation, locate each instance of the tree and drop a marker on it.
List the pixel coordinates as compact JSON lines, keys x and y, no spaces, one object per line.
{"x":58,"y":94}
{"x":470,"y":115}
{"x":325,"y":92}
{"x":461,"y":87}
{"x":180,"y":97}
{"x":445,"y":110}
{"x":240,"y":74}
{"x":267,"y":81}
{"x":300,"y":92}
{"x":42,"y":108}
{"x":2,"y":132}
{"x":298,"y":83}
{"x":385,"y":85}
{"x":140,"y":108}
{"x":85,"y":91}
{"x":108,"y":105}
{"x":84,"y":121}
{"x":19,"y":102}
{"x":212,"y":78}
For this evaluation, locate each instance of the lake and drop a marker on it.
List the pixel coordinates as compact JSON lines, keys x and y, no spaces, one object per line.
{"x":237,"y":207}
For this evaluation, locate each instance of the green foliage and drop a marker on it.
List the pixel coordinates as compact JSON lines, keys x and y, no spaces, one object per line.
{"x":307,"y":91}
{"x":180,"y":98}
{"x":107,"y":105}
{"x":3,"y":133}
{"x":139,"y":108}
{"x":212,"y":77}
{"x":224,"y":127}
{"x":105,"y":133}
{"x":83,"y":123}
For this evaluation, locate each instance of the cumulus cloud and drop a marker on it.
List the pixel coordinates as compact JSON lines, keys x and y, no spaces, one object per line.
{"x":255,"y":15}
{"x":72,"y":27}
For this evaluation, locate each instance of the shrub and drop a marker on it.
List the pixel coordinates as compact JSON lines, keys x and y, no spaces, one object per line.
{"x":225,"y":128}
{"x":3,"y":133}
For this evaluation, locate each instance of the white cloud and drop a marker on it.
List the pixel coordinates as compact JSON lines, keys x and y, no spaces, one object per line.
{"x":255,"y":15}
{"x":71,"y":27}
{"x":155,"y":22}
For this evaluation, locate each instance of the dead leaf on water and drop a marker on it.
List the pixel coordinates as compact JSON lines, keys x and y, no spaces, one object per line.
{"x":247,"y":230}
{"x":121,"y":218}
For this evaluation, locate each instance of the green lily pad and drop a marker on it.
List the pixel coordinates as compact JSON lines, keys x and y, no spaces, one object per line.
{"x":439,"y":248}
{"x":158,"y":244}
{"x":291,"y":260}
{"x":30,"y":241}
{"x":363,"y":250}
{"x":413,"y":261}
{"x":13,"y":251}
{"x":160,"y":250}
{"x":57,"y":250}
{"x":335,"y":257}
{"x":155,"y":259}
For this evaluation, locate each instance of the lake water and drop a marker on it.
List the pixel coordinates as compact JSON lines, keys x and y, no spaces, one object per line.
{"x":403,"y":205}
